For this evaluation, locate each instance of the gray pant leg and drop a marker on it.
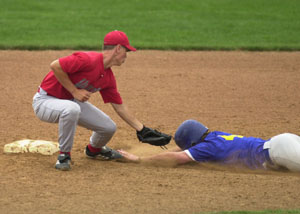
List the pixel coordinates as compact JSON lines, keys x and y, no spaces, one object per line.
{"x":94,"y":119}
{"x":63,"y":112}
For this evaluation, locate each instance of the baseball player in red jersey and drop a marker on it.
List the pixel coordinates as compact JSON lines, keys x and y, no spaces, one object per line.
{"x":64,"y":93}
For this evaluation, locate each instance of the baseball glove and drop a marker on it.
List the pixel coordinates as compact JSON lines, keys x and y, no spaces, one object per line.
{"x":153,"y":137}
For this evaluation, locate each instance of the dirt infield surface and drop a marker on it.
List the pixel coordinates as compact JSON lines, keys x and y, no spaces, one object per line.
{"x":247,"y":93}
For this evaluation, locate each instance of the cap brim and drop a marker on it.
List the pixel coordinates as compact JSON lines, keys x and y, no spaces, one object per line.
{"x":130,"y":48}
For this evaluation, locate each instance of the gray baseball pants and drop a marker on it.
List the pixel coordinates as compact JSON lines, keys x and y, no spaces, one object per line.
{"x":70,"y":113}
{"x":284,"y":150}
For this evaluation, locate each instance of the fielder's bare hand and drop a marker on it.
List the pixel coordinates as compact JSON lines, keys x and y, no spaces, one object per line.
{"x":81,"y":95}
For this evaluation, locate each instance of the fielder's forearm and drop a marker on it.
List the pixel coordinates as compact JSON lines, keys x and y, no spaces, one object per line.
{"x":124,"y":113}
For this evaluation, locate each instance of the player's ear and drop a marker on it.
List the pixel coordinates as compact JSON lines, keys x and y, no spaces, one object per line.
{"x":115,"y":51}
{"x":118,"y":48}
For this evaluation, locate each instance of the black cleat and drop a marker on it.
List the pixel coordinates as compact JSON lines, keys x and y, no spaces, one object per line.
{"x":63,"y":162}
{"x":106,"y":153}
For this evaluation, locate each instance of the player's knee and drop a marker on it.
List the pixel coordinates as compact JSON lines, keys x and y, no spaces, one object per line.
{"x":111,"y":128}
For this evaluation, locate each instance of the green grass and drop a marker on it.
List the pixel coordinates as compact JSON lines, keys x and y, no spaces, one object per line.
{"x":155,"y":24}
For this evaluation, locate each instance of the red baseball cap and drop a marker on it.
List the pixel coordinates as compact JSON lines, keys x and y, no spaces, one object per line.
{"x":118,"y":38}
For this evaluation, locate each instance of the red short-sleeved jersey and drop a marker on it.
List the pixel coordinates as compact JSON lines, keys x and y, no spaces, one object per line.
{"x":86,"y":71}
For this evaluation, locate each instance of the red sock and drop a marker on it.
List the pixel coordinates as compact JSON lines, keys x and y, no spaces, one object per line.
{"x":68,"y":153}
{"x":93,"y":149}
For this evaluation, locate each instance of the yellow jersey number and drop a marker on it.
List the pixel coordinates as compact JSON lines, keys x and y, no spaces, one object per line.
{"x":230,"y":137}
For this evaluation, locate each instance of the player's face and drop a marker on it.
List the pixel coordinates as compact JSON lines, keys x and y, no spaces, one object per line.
{"x":121,"y":55}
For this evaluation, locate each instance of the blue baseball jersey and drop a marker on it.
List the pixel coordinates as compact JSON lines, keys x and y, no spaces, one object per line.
{"x":226,"y":148}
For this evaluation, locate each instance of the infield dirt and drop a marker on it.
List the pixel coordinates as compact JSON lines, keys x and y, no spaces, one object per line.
{"x":246,"y":93}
